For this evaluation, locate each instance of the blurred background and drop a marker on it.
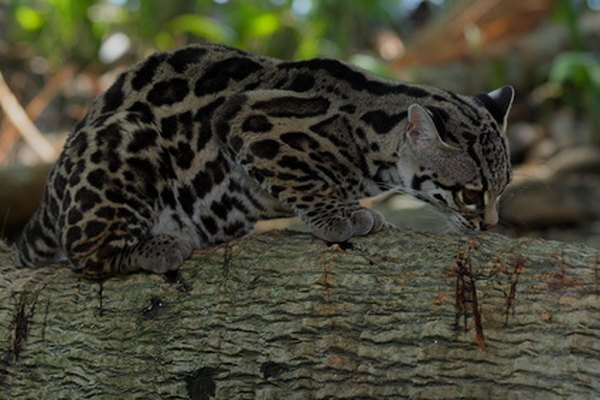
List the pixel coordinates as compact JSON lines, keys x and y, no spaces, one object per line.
{"x":57,"y":55}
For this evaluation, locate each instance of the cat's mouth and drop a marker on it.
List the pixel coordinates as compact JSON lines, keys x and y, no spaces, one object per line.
{"x":464,"y":225}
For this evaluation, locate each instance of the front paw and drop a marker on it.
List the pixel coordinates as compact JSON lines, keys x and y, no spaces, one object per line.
{"x":366,"y":220}
{"x":161,"y":253}
{"x":336,"y":229}
{"x":359,"y":222}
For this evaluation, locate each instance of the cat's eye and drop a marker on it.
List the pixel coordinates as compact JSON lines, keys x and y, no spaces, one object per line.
{"x":472,"y":197}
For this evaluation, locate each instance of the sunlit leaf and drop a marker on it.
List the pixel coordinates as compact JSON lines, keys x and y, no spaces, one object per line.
{"x":264,"y":25}
{"x":372,"y":64}
{"x":29,"y":18}
{"x":200,"y":26}
{"x":163,"y":41}
{"x":307,"y":49}
{"x":578,"y":67}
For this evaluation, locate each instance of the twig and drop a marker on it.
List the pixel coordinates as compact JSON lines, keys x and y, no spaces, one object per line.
{"x":18,"y":116}
{"x":9,"y":134}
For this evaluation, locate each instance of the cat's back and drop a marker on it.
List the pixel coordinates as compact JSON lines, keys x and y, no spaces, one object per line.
{"x":166,"y":83}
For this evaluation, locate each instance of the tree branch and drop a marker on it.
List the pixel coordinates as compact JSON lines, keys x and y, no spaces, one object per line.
{"x":19,"y":118}
{"x":282,"y":315}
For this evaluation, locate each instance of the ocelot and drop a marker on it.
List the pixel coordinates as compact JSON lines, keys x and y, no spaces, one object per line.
{"x":190,"y":148}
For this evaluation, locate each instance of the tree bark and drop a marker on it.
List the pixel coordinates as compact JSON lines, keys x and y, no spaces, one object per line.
{"x":284,"y":316}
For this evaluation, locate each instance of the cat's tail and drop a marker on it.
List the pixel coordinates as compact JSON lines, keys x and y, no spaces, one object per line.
{"x":38,"y":244}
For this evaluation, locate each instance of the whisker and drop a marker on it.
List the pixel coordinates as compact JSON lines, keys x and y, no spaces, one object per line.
{"x":450,"y":229}
{"x":519,"y":227}
{"x":511,"y":193}
{"x":508,"y":225}
{"x":531,"y":179}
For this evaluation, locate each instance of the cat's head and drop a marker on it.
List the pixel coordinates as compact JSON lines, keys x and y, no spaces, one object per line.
{"x":460,"y":154}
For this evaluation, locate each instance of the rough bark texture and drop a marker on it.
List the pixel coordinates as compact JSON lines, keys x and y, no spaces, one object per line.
{"x":283,"y":316}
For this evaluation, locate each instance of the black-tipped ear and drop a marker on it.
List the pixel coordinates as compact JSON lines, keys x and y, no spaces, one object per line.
{"x":498,"y":102}
{"x":421,"y":129}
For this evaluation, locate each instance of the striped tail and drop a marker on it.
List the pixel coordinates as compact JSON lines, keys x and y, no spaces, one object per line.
{"x":38,"y":245}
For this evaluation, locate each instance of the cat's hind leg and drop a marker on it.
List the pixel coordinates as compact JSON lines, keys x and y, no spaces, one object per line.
{"x":117,"y":188}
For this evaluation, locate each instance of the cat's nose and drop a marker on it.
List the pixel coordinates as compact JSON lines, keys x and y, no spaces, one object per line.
{"x":486,"y":226}
{"x":490,"y":219}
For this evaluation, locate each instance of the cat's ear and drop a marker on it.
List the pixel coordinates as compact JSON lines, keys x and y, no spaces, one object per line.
{"x":421,"y":130}
{"x":498,"y":103}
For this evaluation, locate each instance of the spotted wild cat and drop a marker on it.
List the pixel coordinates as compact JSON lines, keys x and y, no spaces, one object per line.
{"x":190,"y":148}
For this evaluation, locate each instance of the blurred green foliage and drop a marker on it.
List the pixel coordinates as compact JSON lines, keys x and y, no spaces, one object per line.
{"x":56,"y":29}
{"x":577,"y":72}
{"x":76,"y":29}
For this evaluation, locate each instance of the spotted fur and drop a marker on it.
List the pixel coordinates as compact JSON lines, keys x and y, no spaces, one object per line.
{"x":190,"y":148}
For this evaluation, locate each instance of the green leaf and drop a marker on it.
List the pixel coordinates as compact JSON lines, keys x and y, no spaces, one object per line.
{"x":163,"y":41}
{"x":264,"y":25}
{"x":200,"y":26}
{"x":580,"y":68}
{"x":29,"y":18}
